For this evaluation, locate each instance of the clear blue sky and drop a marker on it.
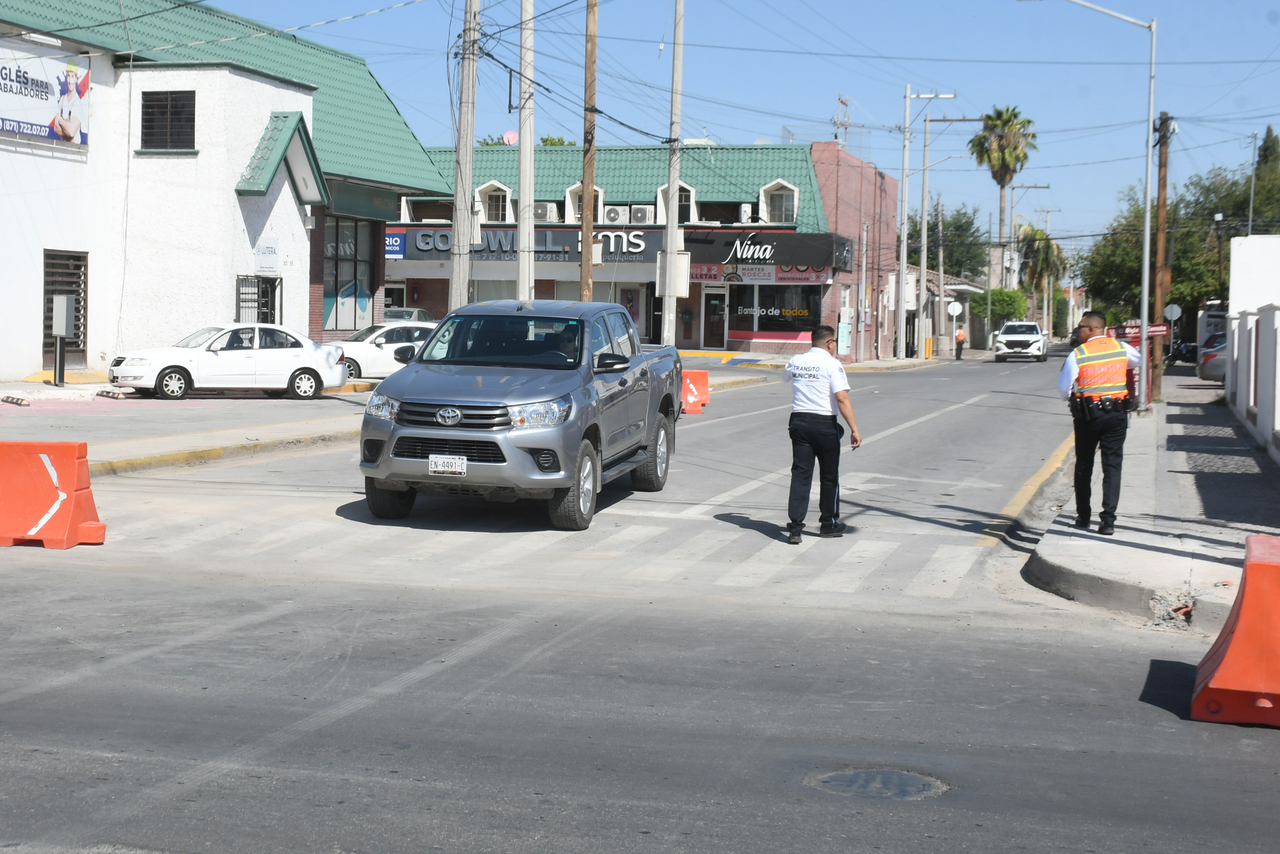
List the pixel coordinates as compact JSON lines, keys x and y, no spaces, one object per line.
{"x":1217,"y":74}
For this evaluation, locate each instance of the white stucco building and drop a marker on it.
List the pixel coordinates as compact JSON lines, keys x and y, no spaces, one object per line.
{"x":176,"y":186}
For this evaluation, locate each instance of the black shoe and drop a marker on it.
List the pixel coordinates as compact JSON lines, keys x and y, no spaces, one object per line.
{"x":836,"y":530}
{"x":1107,"y":529}
{"x":1082,"y":523}
{"x":793,"y":538}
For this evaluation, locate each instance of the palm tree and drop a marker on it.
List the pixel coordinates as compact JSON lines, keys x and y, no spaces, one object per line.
{"x":1045,"y":263}
{"x":1002,"y":146}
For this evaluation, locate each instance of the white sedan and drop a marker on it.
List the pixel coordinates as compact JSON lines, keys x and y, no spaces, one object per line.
{"x":273,"y":358}
{"x":371,"y":351}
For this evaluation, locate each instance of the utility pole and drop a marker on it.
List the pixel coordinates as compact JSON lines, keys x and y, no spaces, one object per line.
{"x":1253,"y":179}
{"x":939,"y":324}
{"x":900,"y":306}
{"x":671,"y":260}
{"x":989,"y":324}
{"x":463,"y":197}
{"x":1047,"y":308}
{"x":862,"y":288}
{"x":589,"y":156}
{"x":1164,"y":270}
{"x":524,"y":221}
{"x":923,"y":294}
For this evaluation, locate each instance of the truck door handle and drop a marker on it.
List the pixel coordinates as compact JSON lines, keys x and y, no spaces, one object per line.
{"x":622,"y":383}
{"x":644,"y":372}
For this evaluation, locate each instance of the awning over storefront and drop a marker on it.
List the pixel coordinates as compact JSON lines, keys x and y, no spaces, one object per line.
{"x":285,"y":140}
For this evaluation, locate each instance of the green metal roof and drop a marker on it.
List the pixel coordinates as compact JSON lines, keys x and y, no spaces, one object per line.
{"x":270,"y":153}
{"x":633,"y":174}
{"x":358,"y":132}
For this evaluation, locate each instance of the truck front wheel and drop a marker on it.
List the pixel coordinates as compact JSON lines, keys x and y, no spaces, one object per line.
{"x":571,"y":509}
{"x":387,"y":503}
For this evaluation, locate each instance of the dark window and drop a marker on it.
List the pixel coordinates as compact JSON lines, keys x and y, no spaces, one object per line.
{"x":66,"y":273}
{"x":257,"y":299}
{"x":788,"y":308}
{"x":169,"y":120}
{"x":348,"y":271}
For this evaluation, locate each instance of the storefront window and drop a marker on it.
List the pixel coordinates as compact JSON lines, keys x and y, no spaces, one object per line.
{"x":789,"y":308}
{"x":742,"y":308}
{"x":348,"y":273}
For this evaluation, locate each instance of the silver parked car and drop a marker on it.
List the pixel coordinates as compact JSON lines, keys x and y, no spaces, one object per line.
{"x":1211,"y":364}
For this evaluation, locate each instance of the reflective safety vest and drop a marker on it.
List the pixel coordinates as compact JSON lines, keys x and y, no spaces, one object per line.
{"x":1103,"y":365}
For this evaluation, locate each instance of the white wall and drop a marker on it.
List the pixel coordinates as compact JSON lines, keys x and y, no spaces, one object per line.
{"x":166,"y":235}
{"x":1255,"y":273}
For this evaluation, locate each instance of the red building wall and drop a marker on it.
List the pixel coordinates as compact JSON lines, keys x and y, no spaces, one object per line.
{"x":854,"y":193}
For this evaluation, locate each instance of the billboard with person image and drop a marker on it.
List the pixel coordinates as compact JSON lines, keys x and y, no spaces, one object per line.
{"x":44,"y":93}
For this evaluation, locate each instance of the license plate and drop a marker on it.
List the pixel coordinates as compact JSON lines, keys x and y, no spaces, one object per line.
{"x":453,"y":466}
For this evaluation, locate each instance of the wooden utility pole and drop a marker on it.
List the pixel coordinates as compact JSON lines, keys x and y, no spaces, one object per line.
{"x":463,"y":195}
{"x":589,"y":155}
{"x":670,"y":234}
{"x":1164,"y":270}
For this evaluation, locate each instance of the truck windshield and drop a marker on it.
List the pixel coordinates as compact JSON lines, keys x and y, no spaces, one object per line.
{"x":506,"y":341}
{"x":1020,"y":329}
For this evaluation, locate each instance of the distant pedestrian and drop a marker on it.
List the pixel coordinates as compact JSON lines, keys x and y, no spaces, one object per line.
{"x":819,"y":388}
{"x":960,"y":339}
{"x":1094,"y":380}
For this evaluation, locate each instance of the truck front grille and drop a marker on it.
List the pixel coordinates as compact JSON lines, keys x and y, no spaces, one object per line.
{"x":419,"y":448}
{"x":416,"y":414}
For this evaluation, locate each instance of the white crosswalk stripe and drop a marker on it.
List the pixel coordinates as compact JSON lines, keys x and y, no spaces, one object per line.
{"x":684,"y":557}
{"x":942,"y":575}
{"x":764,"y":564}
{"x":853,"y":567}
{"x":615,"y":545}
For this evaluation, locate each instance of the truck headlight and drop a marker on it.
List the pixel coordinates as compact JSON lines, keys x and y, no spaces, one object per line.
{"x":546,"y":414}
{"x":137,"y":361}
{"x":381,"y":406}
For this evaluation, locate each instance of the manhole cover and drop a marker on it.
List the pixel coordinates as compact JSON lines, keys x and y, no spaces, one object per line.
{"x":879,"y":783}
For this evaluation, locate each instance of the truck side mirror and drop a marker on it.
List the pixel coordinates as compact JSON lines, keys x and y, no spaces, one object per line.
{"x":612,"y":363}
{"x":404,"y":355}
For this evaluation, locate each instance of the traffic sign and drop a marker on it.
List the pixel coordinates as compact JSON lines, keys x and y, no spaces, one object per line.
{"x":955,"y":309}
{"x":1172,"y":311}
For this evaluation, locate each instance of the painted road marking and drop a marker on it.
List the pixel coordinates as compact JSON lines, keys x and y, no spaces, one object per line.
{"x":1000,"y":525}
{"x":942,"y":575}
{"x":853,"y":567}
{"x":764,"y":564}
{"x":684,"y":557}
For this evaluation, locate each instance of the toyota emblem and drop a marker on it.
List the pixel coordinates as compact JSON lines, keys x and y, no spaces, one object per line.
{"x":448,"y":416}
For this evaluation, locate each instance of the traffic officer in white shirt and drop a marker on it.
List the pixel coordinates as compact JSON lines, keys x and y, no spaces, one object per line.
{"x":819,"y":388}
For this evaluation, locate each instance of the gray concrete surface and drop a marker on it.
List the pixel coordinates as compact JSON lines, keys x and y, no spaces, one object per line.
{"x":252,"y":663}
{"x":1194,"y":486}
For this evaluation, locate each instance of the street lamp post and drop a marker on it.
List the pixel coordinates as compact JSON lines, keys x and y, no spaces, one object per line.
{"x":1146,"y":190}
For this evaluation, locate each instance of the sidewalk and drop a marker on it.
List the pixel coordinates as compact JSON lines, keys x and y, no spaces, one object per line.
{"x":139,"y":433}
{"x":1194,"y":487}
{"x":771,"y":362}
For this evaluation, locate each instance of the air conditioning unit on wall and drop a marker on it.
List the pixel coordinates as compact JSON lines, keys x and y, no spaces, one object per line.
{"x":643,"y":214}
{"x":617,"y":215}
{"x":545,"y":212}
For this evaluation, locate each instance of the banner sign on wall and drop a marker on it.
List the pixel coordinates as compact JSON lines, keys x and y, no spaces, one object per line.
{"x":498,"y":243}
{"x":44,"y":93}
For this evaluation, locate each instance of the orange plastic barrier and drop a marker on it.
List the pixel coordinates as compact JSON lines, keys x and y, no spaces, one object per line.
{"x":697,"y":391}
{"x":45,"y":496}
{"x":1239,"y":679}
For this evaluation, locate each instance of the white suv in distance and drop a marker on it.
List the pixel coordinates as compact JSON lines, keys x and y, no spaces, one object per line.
{"x":1020,"y":338}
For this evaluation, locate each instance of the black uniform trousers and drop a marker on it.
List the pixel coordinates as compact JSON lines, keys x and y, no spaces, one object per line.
{"x":960,"y":349}
{"x":814,"y":437}
{"x":1106,"y":431}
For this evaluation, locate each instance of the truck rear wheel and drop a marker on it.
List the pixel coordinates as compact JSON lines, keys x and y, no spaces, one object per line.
{"x":572,"y":509}
{"x":652,"y":475}
{"x":387,"y":503}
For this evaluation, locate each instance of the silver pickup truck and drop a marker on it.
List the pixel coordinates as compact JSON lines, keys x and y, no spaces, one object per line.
{"x":543,"y":400}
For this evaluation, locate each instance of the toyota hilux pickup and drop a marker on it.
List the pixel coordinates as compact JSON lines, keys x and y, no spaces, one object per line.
{"x":543,"y":400}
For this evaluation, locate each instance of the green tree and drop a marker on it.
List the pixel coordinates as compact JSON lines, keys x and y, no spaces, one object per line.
{"x":1002,"y":147}
{"x":1269,"y":151}
{"x":555,"y":140}
{"x":491,"y":140}
{"x":1044,"y":262}
{"x":964,"y":242}
{"x":1005,"y":305}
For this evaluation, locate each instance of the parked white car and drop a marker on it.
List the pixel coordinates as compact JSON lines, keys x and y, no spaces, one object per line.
{"x":241,"y":355}
{"x":371,"y":351}
{"x":1020,"y":338}
{"x":420,"y":315}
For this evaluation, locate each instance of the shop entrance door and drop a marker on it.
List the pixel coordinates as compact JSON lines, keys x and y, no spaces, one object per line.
{"x":632,"y":299}
{"x":713,"y":319}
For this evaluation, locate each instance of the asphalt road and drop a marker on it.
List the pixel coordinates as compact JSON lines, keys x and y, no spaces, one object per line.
{"x":251,"y":663}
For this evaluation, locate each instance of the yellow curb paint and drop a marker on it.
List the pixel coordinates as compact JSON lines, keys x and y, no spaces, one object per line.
{"x":349,"y":388}
{"x":71,"y":377}
{"x":1019,"y":501}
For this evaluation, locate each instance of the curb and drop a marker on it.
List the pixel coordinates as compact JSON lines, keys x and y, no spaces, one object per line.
{"x":247,"y":449}
{"x":720,"y":386}
{"x":350,"y":388}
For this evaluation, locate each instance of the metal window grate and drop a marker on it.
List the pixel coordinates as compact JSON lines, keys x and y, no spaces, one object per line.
{"x":66,"y":273}
{"x":169,"y":120}
{"x":257,"y":299}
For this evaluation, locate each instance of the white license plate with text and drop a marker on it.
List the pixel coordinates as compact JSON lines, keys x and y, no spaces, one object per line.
{"x":453,"y":466}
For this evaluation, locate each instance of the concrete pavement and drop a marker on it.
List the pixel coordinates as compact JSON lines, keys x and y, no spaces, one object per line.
{"x":1194,"y":486}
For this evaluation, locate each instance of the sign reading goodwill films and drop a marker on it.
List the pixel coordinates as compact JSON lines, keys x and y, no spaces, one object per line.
{"x":44,"y":92}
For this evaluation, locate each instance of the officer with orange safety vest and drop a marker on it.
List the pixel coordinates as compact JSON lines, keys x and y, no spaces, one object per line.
{"x":1094,"y":381}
